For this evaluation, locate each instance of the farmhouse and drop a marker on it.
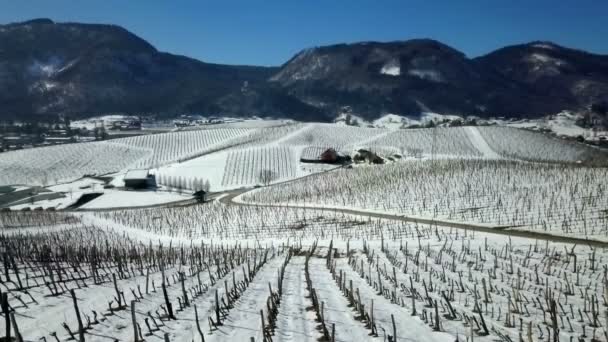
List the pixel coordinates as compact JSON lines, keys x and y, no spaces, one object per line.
{"x":139,"y":179}
{"x":329,"y":156}
{"x":364,"y":154}
{"x":315,"y":154}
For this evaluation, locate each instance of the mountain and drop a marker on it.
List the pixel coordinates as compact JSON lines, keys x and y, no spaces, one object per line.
{"x":84,"y":69}
{"x":372,"y":78}
{"x":89,"y":69}
{"x":552,"y":77}
{"x":427,"y":76}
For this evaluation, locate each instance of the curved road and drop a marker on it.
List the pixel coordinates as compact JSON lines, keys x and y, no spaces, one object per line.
{"x":498,"y":230}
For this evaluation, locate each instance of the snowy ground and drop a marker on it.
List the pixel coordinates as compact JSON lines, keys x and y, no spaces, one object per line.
{"x":302,"y":274}
{"x":124,"y":199}
{"x":385,"y":275}
{"x":561,"y":124}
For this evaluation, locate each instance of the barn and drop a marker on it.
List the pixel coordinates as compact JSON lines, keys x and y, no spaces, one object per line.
{"x":139,"y":179}
{"x":314,"y":154}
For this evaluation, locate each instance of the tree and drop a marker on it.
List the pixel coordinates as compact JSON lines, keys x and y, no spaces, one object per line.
{"x":266,"y":177}
{"x":348,"y":119}
{"x":100,"y":133}
{"x":207,"y":186}
{"x":600,"y":108}
{"x":180,"y":184}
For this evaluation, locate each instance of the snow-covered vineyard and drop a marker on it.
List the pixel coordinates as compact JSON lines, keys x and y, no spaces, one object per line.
{"x":556,"y":199}
{"x":309,"y":232}
{"x":64,"y":163}
{"x":310,"y":276}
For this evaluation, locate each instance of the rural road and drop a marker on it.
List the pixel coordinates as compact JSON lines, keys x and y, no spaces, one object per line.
{"x":498,"y":230}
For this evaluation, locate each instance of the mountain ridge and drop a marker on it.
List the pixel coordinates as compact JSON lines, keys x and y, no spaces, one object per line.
{"x":87,"y":69}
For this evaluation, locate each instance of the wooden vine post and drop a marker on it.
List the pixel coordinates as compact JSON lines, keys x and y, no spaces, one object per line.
{"x":7,"y":317}
{"x":80,"y":326}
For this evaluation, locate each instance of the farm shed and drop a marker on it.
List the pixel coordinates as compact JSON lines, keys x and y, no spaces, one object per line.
{"x":371,"y":157}
{"x":200,"y":196}
{"x":314,"y":154}
{"x":329,"y":156}
{"x":139,"y":179}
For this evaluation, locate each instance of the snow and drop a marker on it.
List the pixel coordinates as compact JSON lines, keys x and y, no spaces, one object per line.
{"x":45,"y":68}
{"x":390,"y":121}
{"x":426,"y":74}
{"x":544,"y":64}
{"x":58,"y":203}
{"x":395,"y":121}
{"x":544,"y":46}
{"x":564,"y":124}
{"x":480,"y":143}
{"x":44,"y":86}
{"x":543,"y":198}
{"x":296,"y":322}
{"x":561,"y":124}
{"x":542,"y":58}
{"x":124,"y":199}
{"x":355,"y":120}
{"x":210,"y":167}
{"x":89,"y":124}
{"x":392,"y":69}
{"x":240,"y":325}
{"x":338,"y":311}
{"x":136,"y":174}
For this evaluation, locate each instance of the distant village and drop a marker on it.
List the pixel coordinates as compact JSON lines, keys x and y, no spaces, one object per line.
{"x":21,"y":135}
{"x":16,"y":135}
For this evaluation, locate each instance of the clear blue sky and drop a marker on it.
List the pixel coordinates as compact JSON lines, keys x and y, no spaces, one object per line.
{"x":269,"y":32}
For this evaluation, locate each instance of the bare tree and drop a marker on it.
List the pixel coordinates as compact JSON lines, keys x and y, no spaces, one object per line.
{"x":266,"y":177}
{"x":198,"y":184}
{"x":206,"y":186}
{"x":33,"y":195}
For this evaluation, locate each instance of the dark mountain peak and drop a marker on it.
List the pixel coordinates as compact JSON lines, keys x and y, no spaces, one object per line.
{"x":556,"y":77}
{"x":545,"y":48}
{"x":419,"y":58}
{"x":398,"y":48}
{"x":88,"y":69}
{"x":43,"y":37}
{"x":37,"y":21}
{"x":406,"y":77}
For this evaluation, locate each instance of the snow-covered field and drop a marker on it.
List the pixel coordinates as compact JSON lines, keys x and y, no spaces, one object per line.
{"x":447,"y":142}
{"x":564,"y":200}
{"x":521,"y":144}
{"x":563,"y":124}
{"x":273,"y":265}
{"x":214,"y":270}
{"x":179,"y":146}
{"x":56,"y":164}
{"x":168,"y":151}
{"x":121,"y":199}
